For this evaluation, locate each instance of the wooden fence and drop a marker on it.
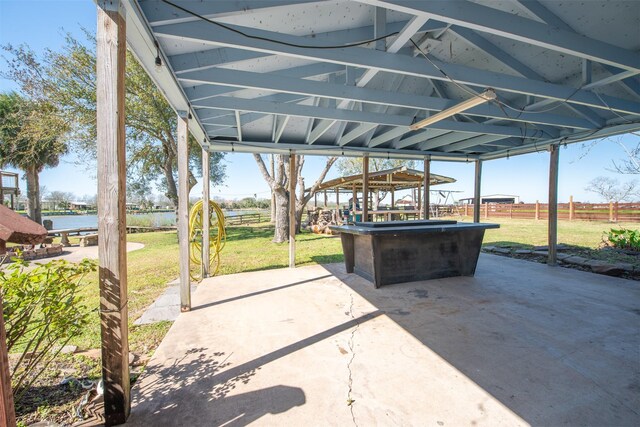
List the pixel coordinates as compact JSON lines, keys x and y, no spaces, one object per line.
{"x":252,"y":218}
{"x":612,"y":212}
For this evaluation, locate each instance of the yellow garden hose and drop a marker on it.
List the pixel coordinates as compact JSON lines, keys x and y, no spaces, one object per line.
{"x":217,"y":235}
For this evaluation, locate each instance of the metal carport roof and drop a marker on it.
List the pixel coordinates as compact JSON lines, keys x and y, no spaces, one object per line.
{"x":266,"y":76}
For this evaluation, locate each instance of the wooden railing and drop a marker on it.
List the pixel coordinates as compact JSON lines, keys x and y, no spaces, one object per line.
{"x":612,"y":212}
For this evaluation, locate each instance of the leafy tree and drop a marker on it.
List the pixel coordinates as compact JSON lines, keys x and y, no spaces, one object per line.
{"x":278,"y":181}
{"x":31,"y":139}
{"x":61,"y":199}
{"x":68,"y":79}
{"x":611,"y":190}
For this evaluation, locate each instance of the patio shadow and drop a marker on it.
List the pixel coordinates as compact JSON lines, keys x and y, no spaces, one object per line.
{"x":197,"y":389}
{"x":253,"y":294}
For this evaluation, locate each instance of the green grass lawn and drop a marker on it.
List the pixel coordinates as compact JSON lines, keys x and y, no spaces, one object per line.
{"x":248,"y":248}
{"x":588,"y":237}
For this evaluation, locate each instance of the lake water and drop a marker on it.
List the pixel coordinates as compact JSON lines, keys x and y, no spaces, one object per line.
{"x":77,"y":221}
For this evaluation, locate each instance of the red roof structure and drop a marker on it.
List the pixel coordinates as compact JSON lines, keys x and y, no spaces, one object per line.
{"x":16,"y":228}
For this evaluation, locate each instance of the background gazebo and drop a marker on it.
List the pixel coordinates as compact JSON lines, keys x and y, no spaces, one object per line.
{"x":390,"y":181}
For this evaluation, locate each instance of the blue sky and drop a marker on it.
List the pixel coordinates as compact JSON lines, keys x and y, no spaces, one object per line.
{"x":40,"y":24}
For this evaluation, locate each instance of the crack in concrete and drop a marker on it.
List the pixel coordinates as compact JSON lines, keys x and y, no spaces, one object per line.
{"x":350,"y":400}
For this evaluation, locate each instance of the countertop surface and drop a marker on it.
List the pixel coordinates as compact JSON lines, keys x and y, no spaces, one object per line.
{"x":411,"y":227}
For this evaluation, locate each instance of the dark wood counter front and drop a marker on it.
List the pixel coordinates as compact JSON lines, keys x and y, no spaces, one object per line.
{"x":406,"y":251}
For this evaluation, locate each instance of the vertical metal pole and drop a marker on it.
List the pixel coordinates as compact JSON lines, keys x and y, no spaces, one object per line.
{"x":365,"y":188}
{"x":183,"y":210}
{"x":206,"y":212}
{"x":427,"y":187}
{"x":476,"y":191}
{"x":112,"y":254}
{"x":292,"y":210}
{"x":553,"y":204}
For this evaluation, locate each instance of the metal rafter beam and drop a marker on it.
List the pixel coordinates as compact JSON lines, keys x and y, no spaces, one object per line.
{"x":283,"y":147}
{"x":538,"y":146}
{"x":222,"y":56}
{"x":160,"y":13}
{"x":471,"y":142}
{"x":419,"y":137}
{"x":401,"y":39}
{"x":207,"y":90}
{"x":522,"y":69}
{"x":511,"y":26}
{"x":400,"y":64}
{"x":298,"y":110}
{"x":276,"y":83}
{"x":239,"y":125}
{"x":535,"y":7}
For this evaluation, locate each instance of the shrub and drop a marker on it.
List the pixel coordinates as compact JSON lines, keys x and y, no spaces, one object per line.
{"x":625,"y":239}
{"x":42,"y":312}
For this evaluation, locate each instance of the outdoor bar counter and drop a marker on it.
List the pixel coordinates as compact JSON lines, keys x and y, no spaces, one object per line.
{"x":391,"y":252}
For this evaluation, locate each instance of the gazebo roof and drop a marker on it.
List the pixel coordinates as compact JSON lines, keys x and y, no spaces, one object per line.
{"x":275,"y":75}
{"x":16,"y":228}
{"x":399,"y":178}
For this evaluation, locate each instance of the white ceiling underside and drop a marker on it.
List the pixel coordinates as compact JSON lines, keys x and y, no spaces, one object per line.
{"x":563,"y":72}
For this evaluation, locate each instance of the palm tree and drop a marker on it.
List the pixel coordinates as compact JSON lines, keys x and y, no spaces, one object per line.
{"x":31,"y":139}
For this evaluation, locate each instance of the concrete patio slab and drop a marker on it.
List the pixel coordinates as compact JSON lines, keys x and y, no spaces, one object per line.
{"x":166,"y":307}
{"x":520,"y":343}
{"x":77,"y":253}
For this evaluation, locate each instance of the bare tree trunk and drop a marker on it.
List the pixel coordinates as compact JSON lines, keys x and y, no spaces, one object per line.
{"x":33,"y":194}
{"x":277,"y":181}
{"x":172,"y":188}
{"x":282,"y":216}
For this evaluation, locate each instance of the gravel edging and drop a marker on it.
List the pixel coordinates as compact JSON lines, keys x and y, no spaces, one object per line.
{"x":569,"y":260}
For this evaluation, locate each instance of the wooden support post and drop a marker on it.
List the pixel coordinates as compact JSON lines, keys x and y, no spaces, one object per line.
{"x":426,"y":184}
{"x":112,"y":254}
{"x":183,"y":210}
{"x":610,"y":211}
{"x":419,"y":207}
{"x":393,"y":198}
{"x":338,"y":198}
{"x":537,"y":210}
{"x":615,"y":210}
{"x":365,"y":188}
{"x":325,"y":199}
{"x":292,"y":210}
{"x":206,"y":212}
{"x":572,"y":209}
{"x":476,"y":192}
{"x":7,"y":408}
{"x":354,"y":201}
{"x":553,"y":204}
{"x":315,"y":200}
